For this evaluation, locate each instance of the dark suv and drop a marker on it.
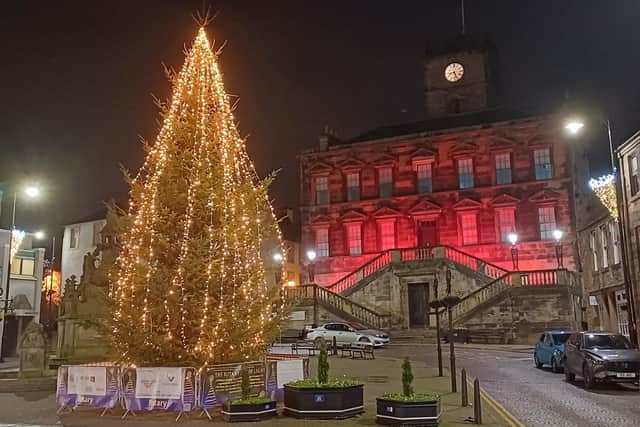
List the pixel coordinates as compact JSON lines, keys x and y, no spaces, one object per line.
{"x":601,"y":356}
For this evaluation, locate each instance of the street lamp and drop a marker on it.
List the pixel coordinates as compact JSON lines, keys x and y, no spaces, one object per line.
{"x":31,"y":192}
{"x":573,"y":127}
{"x":557,"y":235}
{"x":311,"y":256}
{"x":436,"y":304}
{"x":513,"y":239}
{"x":39,"y":235}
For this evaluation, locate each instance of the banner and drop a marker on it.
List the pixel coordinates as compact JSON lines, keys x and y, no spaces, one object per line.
{"x":282,"y":368}
{"x":221,"y":382}
{"x":95,"y":386}
{"x":166,"y":389}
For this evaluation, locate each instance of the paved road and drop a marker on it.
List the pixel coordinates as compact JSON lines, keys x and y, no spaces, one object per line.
{"x":536,"y":397}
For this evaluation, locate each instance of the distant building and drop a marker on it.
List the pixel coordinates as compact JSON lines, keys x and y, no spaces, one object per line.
{"x":605,"y":300}
{"x":24,"y":289}
{"x":80,"y":238}
{"x":628,"y":156}
{"x":459,"y":182}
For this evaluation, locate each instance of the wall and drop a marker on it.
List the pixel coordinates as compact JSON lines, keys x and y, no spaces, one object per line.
{"x":527,"y":312}
{"x":73,"y":258}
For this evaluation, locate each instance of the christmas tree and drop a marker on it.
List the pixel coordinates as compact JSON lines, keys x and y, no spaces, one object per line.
{"x":190,"y":286}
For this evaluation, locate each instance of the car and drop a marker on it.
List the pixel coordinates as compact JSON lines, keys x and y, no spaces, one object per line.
{"x":378,"y":338}
{"x":599,"y":356}
{"x":343,"y":333}
{"x":550,"y":350}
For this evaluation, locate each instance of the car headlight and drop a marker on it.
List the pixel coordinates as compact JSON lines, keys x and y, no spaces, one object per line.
{"x":379,"y":336}
{"x":598,"y":362}
{"x":557,"y":352}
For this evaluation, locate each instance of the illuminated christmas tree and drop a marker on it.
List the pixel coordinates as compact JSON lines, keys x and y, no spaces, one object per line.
{"x":190,"y":286}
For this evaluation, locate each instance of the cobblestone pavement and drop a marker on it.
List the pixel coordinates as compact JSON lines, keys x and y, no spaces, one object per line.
{"x":536,"y":397}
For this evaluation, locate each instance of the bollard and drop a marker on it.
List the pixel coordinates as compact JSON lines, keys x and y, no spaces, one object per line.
{"x":477,"y":408}
{"x":464,"y":392}
{"x":334,"y":347}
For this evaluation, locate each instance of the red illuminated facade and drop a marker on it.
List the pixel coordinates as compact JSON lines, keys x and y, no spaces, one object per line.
{"x":466,"y":177}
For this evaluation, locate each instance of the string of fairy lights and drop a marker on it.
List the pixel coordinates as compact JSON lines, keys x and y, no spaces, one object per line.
{"x":190,"y":285}
{"x":605,"y":189}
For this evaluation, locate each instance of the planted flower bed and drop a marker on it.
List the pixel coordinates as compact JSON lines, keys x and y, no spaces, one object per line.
{"x":408,"y":408}
{"x":323,"y":398}
{"x":249,"y":409}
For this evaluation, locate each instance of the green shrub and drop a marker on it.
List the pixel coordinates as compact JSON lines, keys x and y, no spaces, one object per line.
{"x":407,"y":378}
{"x":323,"y":364}
{"x":245,"y":385}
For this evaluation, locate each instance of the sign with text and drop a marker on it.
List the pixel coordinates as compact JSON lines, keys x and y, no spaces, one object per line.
{"x":162,"y":388}
{"x":95,"y":386}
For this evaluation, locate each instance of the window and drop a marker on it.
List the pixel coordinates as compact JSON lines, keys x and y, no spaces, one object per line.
{"x":353,"y":186}
{"x":503,"y":168}
{"x":542,"y":161}
{"x":424,"y":177}
{"x":23,"y":266}
{"x":354,"y":239}
{"x":387,"y":235}
{"x":506,"y":223}
{"x":604,"y":246}
{"x":594,"y":249}
{"x":465,"y":173}
{"x":322,"y":242}
{"x":74,"y":235}
{"x":615,"y":241}
{"x":469,"y":229}
{"x":547,"y":221}
{"x":634,"y":180}
{"x":322,"y":190}
{"x":97,"y":230}
{"x":385,"y":182}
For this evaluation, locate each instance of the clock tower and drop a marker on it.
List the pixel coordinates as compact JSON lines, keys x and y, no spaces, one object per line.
{"x":458,"y":77}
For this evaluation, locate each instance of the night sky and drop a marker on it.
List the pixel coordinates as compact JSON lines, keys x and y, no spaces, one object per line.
{"x":77,"y":78}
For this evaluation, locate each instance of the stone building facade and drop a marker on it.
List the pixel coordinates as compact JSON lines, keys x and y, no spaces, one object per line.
{"x":605,"y":298}
{"x":628,"y":157}
{"x":465,"y":182}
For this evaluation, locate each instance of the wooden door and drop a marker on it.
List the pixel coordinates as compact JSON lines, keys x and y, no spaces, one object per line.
{"x":418,"y":305}
{"x":427,"y":234}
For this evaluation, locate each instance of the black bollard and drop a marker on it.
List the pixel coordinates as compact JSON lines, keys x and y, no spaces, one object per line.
{"x":477,"y":407}
{"x":334,"y":348}
{"x":464,"y":392}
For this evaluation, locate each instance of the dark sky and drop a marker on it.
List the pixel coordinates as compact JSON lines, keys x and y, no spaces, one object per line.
{"x":77,"y":77}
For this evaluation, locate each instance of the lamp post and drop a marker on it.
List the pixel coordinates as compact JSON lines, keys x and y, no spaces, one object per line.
{"x":513,"y":239}
{"x":574,"y":126}
{"x":31,"y":192}
{"x":557,"y":236}
{"x":311,"y":256}
{"x":277,"y":258}
{"x":449,"y":302}
{"x":435,"y":304}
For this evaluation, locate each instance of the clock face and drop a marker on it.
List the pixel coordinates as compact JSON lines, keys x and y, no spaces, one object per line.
{"x":454,"y":72}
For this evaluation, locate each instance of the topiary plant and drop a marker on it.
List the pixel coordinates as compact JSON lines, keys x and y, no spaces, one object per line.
{"x":323,"y":364}
{"x":245,"y":384}
{"x":407,"y":377}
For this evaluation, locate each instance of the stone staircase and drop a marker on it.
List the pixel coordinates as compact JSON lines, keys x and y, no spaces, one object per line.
{"x":495,"y":284}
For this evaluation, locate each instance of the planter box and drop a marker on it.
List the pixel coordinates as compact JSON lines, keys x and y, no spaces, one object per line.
{"x":390,"y":412}
{"x":246,"y":412}
{"x":323,"y":403}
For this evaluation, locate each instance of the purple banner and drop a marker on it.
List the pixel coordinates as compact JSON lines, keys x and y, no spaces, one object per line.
{"x":164,"y":389}
{"x":94,"y":386}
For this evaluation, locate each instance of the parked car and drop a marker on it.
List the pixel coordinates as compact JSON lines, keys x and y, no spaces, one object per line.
{"x":378,"y":338}
{"x":601,"y":357}
{"x":550,"y":349}
{"x":345,"y":334}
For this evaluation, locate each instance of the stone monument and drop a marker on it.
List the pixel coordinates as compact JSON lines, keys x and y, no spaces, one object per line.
{"x":84,"y":305}
{"x":32,"y":351}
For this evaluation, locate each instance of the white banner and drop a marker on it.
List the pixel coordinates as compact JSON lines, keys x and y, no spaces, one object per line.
{"x":91,"y":380}
{"x":159,"y":383}
{"x":289,"y":370}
